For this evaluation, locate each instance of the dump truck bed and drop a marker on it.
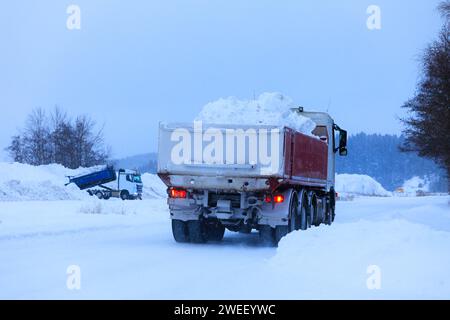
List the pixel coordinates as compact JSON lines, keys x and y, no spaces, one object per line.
{"x":94,"y":179}
{"x":227,"y":157}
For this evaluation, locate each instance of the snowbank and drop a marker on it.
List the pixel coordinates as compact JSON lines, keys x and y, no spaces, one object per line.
{"x":412,"y":260}
{"x":20,"y":182}
{"x":415,"y":185}
{"x":359,"y":185}
{"x":268,"y":109}
{"x":153,"y":187}
{"x":25,"y":182}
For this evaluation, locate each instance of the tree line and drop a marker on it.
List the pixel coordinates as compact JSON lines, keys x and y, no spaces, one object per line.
{"x":54,"y":137}
{"x":379,"y":156}
{"x":427,"y":126}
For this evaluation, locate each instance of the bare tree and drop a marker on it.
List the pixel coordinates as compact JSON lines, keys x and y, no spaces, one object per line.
{"x":58,"y":139}
{"x":37,"y":138}
{"x":88,"y":143}
{"x":15,"y":149}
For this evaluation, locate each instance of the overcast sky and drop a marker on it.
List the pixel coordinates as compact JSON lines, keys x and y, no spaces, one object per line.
{"x":135,"y":63}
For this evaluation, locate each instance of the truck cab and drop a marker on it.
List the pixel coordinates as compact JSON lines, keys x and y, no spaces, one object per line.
{"x":129,"y":183}
{"x":327,"y":130}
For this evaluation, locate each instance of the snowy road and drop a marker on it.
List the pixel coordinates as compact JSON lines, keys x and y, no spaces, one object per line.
{"x":126,"y":250}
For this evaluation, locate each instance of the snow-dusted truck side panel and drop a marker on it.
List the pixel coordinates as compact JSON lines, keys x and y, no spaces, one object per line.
{"x":267,"y":178}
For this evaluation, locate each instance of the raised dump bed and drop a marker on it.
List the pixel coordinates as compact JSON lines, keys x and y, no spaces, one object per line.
{"x":94,"y":179}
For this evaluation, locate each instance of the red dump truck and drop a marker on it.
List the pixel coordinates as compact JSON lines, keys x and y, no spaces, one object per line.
{"x":269,"y":178}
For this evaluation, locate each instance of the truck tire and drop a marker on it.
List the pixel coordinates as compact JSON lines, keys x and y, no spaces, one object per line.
{"x":99,"y":194}
{"x":179,"y":231}
{"x":294,"y":221}
{"x":280,"y":232}
{"x":315,"y":218}
{"x":233,"y":228}
{"x":330,"y":208}
{"x":329,"y":215}
{"x":106,"y":195}
{"x":215,"y":231}
{"x":304,"y":214}
{"x":196,"y":231}
{"x":266,"y":234}
{"x":124,"y":195}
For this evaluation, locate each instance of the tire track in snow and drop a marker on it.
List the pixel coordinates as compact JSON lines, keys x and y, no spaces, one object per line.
{"x":39,"y":234}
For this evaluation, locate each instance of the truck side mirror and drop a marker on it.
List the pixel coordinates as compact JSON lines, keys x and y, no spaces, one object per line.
{"x":342,"y":142}
{"x":342,"y":151}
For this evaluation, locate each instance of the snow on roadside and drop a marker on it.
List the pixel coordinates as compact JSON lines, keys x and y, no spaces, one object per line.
{"x":268,"y":109}
{"x":360,"y":185}
{"x":402,"y":251}
{"x":414,"y":185}
{"x":97,"y":206}
{"x":23,"y":182}
{"x":153,"y":187}
{"x":407,"y":240}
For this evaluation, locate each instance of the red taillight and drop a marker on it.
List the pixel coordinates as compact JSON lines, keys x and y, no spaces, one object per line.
{"x":276,"y":198}
{"x":177,"y":193}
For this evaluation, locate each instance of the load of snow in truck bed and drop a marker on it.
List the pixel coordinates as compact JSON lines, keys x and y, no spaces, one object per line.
{"x":26,"y":182}
{"x":268,"y":109}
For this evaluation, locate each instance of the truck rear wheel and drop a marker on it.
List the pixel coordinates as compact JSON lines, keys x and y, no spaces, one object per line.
{"x":99,"y":194}
{"x":329,"y":215}
{"x":266,"y":234}
{"x":280,"y":232}
{"x":196,"y":231}
{"x":304,"y":214}
{"x":315,"y":217}
{"x":179,"y":231}
{"x":215,"y":231}
{"x":294,"y":221}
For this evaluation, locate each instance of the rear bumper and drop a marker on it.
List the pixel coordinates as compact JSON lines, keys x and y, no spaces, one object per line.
{"x":254,"y":212}
{"x":219,"y":182}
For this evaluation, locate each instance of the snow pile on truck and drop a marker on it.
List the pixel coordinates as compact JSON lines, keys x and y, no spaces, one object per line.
{"x":20,"y":182}
{"x":359,"y":185}
{"x":269,"y":109}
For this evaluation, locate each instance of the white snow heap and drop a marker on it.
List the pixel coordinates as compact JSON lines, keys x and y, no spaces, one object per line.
{"x":153,"y":187}
{"x":415,"y":184}
{"x":26,"y":182}
{"x":359,"y":184}
{"x":268,"y":109}
{"x":20,"y":182}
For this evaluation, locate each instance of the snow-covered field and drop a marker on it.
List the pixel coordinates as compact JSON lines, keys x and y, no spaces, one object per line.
{"x":126,"y":250}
